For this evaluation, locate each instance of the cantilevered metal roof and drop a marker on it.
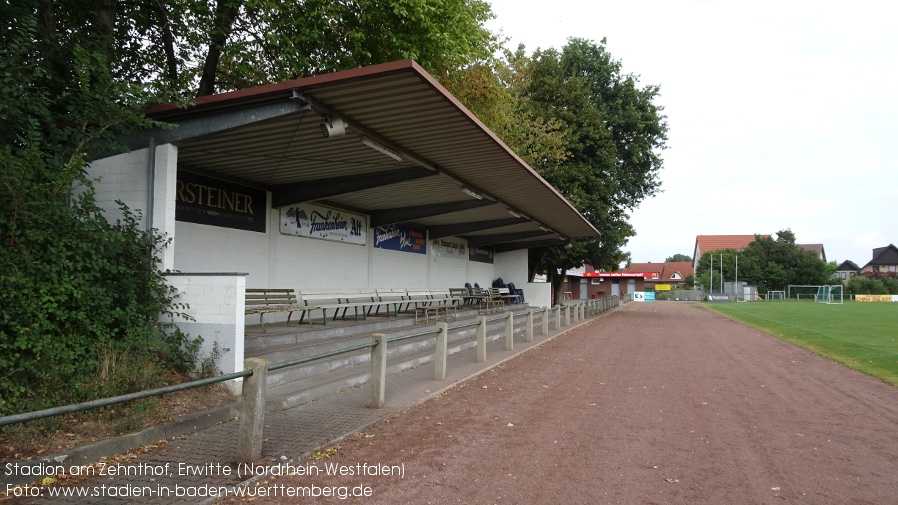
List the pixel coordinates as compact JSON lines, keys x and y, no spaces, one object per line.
{"x":433,"y":163}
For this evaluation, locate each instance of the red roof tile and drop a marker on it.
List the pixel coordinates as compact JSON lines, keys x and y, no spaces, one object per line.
{"x":708,"y":243}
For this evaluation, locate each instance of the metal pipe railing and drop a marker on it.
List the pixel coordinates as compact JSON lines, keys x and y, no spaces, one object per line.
{"x":105,"y":402}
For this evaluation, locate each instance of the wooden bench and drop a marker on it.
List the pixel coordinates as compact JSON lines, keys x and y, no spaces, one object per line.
{"x":435,"y":310}
{"x":268,"y":300}
{"x":395,"y":295}
{"x":460,"y":295}
{"x":360,"y":301}
{"x":489,"y":300}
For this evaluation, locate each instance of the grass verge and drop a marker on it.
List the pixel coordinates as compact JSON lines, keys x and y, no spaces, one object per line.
{"x":863,"y":336}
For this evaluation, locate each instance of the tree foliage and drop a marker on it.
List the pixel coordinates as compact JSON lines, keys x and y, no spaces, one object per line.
{"x":678,"y":257}
{"x":199,"y":47}
{"x":76,"y":291}
{"x":610,"y":133}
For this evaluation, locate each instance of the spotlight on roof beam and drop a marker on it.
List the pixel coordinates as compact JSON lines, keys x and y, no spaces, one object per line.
{"x":513,"y":213}
{"x":471,"y":193}
{"x":332,"y":126}
{"x":381,"y":148}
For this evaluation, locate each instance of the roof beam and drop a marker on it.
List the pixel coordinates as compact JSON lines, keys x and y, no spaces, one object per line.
{"x":504,"y":237}
{"x":531,"y":244}
{"x":190,"y":127}
{"x":451,"y":230}
{"x":403,"y":214}
{"x":305,"y":191}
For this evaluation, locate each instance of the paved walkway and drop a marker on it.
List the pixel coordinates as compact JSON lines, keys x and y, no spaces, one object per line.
{"x":195,"y":468}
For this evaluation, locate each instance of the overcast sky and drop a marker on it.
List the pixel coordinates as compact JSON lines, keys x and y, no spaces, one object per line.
{"x":782,"y":114}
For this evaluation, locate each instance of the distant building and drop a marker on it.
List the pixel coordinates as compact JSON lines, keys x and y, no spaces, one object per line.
{"x":586,"y":282}
{"x":846,"y":270}
{"x":884,"y":262}
{"x":814,"y":248}
{"x":708,"y":243}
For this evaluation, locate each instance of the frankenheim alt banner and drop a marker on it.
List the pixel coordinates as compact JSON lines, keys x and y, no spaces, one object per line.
{"x":400,"y":237}
{"x":324,"y":223}
{"x":204,"y":200}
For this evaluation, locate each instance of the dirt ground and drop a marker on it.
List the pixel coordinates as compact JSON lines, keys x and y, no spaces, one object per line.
{"x":663,"y":403}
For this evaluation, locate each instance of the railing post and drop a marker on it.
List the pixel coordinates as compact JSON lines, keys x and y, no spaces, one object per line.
{"x":583,"y":310}
{"x":442,"y":350}
{"x":379,"y":371}
{"x":545,"y":321}
{"x":567,"y":315}
{"x":252,"y":412}
{"x":509,"y":332}
{"x":529,"y":335}
{"x":481,"y":340}
{"x":558,"y":317}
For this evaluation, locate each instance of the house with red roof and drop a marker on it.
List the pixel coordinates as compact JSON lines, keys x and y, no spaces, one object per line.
{"x":708,"y":243}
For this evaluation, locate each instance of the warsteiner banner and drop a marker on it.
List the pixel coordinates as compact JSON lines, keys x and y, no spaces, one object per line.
{"x":204,"y":200}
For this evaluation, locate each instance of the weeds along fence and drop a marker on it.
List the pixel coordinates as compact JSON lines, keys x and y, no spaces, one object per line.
{"x":252,"y":400}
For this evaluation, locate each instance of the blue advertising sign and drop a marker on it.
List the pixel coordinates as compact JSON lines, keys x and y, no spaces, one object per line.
{"x":400,"y":237}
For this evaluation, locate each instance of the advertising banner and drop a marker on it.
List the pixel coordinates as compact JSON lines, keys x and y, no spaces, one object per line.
{"x":662,"y":287}
{"x":876,"y":298}
{"x":644,"y":296}
{"x":316,"y":221}
{"x":400,"y":237}
{"x":204,"y":200}
{"x":480,"y":254}
{"x":449,"y":247}
{"x":622,"y":275}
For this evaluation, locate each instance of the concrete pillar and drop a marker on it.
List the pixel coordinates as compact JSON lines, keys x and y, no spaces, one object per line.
{"x":567,"y":315}
{"x":545,"y":321}
{"x":252,"y":412}
{"x":509,"y":332}
{"x":558,"y":317}
{"x":481,"y":340}
{"x":441,"y":352}
{"x":379,"y":371}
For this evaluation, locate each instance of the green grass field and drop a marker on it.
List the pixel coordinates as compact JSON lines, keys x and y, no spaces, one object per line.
{"x":863,"y":336}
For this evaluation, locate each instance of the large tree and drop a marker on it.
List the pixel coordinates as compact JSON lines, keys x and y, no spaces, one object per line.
{"x":199,"y":47}
{"x":612,"y":134}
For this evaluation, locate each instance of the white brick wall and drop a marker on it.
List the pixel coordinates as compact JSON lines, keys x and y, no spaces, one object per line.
{"x":216,"y":303}
{"x":395,"y":269}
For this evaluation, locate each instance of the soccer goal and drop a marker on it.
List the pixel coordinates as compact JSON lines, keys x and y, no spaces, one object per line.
{"x":776,"y":295}
{"x":830,"y":294}
{"x":818,"y":294}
